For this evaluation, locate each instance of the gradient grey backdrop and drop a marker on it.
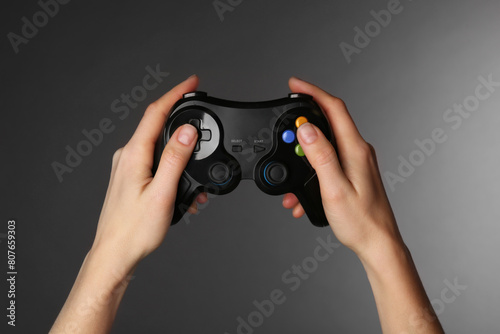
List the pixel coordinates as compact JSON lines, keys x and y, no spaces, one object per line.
{"x":208,"y":273}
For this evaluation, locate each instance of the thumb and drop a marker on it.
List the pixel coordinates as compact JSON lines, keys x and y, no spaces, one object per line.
{"x":174,"y":159}
{"x":322,"y":157}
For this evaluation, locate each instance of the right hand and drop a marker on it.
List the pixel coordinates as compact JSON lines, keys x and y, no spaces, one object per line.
{"x":354,"y":199}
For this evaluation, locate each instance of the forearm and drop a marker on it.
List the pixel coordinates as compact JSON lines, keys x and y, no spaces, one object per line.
{"x":134,"y":219}
{"x":402,"y":302}
{"x":94,"y":299}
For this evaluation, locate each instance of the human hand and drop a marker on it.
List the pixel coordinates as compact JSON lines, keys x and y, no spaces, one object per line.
{"x":135,"y":217}
{"x":359,"y":213}
{"x":352,"y":191}
{"x":138,"y":207}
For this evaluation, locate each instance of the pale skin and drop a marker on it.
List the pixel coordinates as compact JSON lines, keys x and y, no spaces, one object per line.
{"x":138,"y":209}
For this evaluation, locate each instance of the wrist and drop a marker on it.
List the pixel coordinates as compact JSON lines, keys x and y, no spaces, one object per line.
{"x":111,"y":263}
{"x":401,"y":300}
{"x":387,"y":253}
{"x":96,"y":294}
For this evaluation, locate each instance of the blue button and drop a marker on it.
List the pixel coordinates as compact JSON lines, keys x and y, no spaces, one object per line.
{"x":288,"y":136}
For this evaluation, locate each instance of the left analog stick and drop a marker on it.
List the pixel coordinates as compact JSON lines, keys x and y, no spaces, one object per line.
{"x":219,"y":173}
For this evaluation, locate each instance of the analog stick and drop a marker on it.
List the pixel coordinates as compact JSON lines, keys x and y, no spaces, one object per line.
{"x":219,"y":173}
{"x":275,"y":173}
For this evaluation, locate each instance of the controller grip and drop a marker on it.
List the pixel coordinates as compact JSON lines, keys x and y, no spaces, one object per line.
{"x":310,"y":198}
{"x":187,"y":191}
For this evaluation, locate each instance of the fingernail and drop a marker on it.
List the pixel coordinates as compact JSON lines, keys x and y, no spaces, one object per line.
{"x":307,"y":133}
{"x":191,"y":76}
{"x":187,"y":134}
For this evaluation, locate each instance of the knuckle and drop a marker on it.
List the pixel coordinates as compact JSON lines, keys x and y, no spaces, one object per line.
{"x":117,"y":155}
{"x":324,"y":157}
{"x":336,"y":194}
{"x":126,"y":152}
{"x":173,"y":157}
{"x":365,"y":151}
{"x":126,"y":156}
{"x":336,"y":102}
{"x":161,"y":195}
{"x":372,"y":150}
{"x":152,"y":107}
{"x":364,"y":154}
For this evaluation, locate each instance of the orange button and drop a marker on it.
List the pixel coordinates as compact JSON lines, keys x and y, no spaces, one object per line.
{"x":299,"y":121}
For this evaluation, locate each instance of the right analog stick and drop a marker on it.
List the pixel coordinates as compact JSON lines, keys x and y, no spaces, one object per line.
{"x":275,"y":173}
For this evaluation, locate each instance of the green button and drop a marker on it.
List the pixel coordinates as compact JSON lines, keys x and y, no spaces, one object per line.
{"x":298,"y":150}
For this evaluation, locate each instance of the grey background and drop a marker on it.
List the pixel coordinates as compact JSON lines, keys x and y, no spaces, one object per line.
{"x":208,"y":272}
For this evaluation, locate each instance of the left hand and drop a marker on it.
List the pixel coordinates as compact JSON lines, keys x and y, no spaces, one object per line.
{"x":138,"y":207}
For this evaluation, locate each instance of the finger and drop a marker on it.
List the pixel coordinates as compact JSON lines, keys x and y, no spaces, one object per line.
{"x":202,"y":198}
{"x":289,"y":201}
{"x":193,"y":208}
{"x":174,"y":159}
{"x":152,"y":122}
{"x":298,"y":211}
{"x":346,"y":132}
{"x":323,"y":158}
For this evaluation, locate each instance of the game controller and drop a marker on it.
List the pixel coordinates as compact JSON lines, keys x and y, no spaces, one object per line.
{"x":247,"y":141}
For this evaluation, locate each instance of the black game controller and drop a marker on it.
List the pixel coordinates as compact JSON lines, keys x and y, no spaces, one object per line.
{"x":247,"y":141}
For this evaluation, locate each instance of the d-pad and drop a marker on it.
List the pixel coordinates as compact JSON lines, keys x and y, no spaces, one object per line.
{"x":203,"y":134}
